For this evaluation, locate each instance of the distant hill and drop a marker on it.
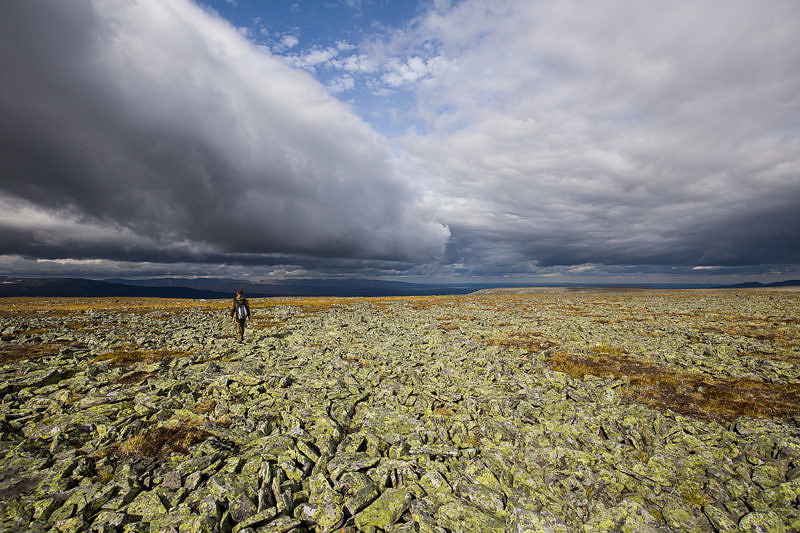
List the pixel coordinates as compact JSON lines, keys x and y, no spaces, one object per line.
{"x":216,"y":288}
{"x":759,"y":285}
{"x":306,"y":287}
{"x":79,"y":287}
{"x":211,"y":288}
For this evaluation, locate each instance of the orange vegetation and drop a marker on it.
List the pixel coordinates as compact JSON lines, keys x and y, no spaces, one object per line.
{"x":685,"y":392}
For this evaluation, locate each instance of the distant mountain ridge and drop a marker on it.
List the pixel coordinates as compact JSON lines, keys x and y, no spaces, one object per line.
{"x":759,"y":285}
{"x":87,"y":288}
{"x":305,"y":287}
{"x":211,"y":288}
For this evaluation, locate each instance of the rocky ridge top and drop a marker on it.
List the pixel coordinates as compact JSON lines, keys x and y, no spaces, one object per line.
{"x":402,"y":414}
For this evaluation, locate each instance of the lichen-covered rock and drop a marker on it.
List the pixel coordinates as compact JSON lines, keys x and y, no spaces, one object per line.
{"x":280,"y":524}
{"x":198,"y":524}
{"x":109,"y":521}
{"x":42,"y":509}
{"x":762,"y":522}
{"x":527,"y":521}
{"x":146,"y":505}
{"x":385,"y":510}
{"x":256,"y":520}
{"x":227,"y":486}
{"x":361,"y":498}
{"x":70,"y":525}
{"x":767,"y":475}
{"x":434,"y":482}
{"x":681,"y":518}
{"x":720,"y":520}
{"x":627,"y":516}
{"x":481,"y":496}
{"x":459,"y":516}
{"x":327,"y":515}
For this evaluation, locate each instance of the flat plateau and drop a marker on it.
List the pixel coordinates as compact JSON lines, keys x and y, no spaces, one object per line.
{"x":503,"y":410}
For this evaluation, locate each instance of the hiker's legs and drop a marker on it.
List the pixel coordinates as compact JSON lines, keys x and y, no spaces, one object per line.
{"x":240,"y":329}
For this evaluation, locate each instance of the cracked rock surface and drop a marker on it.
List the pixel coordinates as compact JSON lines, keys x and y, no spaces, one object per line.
{"x":505,"y":410}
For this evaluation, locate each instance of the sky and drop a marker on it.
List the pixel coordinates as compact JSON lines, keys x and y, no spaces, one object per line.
{"x":443,"y":141}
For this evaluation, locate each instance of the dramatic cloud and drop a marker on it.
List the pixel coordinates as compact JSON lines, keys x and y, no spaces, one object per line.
{"x":156,"y":131}
{"x":504,"y":138}
{"x":616,"y":133}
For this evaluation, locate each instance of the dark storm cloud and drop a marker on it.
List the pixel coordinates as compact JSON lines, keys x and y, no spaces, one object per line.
{"x":154,"y":131}
{"x":614,"y":133}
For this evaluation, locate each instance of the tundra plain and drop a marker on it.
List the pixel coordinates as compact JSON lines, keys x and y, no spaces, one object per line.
{"x":503,"y":410}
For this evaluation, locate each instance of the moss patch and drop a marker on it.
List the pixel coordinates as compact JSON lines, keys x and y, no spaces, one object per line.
{"x":529,"y":342}
{"x":12,"y":353}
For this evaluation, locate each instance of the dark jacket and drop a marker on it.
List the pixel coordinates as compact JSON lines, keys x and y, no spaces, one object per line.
{"x":236,"y":302}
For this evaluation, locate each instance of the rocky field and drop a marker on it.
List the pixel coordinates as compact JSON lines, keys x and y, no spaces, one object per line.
{"x":537,"y":410}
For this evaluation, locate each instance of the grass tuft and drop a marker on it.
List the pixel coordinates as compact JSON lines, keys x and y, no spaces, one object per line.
{"x":162,"y":441}
{"x":695,"y":497}
{"x":610,"y":350}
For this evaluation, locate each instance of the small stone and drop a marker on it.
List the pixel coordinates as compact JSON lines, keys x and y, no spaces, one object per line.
{"x":172,"y":480}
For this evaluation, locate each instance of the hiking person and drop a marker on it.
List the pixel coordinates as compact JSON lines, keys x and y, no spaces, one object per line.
{"x":240,"y":311}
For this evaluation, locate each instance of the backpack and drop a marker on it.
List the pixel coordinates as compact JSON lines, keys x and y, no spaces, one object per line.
{"x":241,"y":311}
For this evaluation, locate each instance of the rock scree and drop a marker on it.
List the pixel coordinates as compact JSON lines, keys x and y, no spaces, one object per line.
{"x":548,"y":410}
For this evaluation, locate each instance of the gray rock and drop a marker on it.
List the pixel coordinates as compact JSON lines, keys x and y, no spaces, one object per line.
{"x":385,"y":510}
